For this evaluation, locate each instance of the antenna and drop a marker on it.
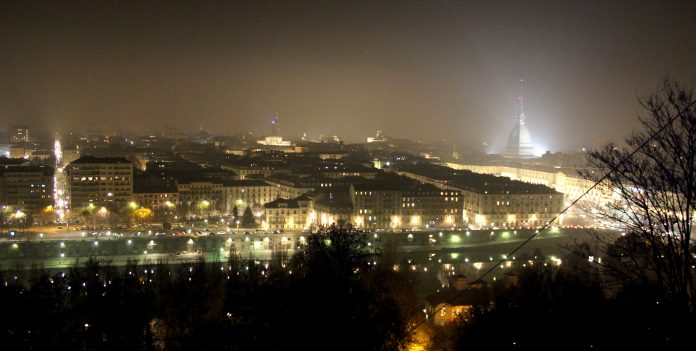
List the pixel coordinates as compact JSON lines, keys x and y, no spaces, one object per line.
{"x":521,"y":116}
{"x":521,"y":98}
{"x":274,"y":125}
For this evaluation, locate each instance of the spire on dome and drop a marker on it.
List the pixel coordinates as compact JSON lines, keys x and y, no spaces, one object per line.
{"x":519,"y":143}
{"x":521,"y":116}
{"x":275,"y":125}
{"x":521,"y":97}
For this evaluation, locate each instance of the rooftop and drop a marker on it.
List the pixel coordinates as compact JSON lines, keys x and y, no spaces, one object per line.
{"x":245,"y":182}
{"x":6,"y":161}
{"x":289,"y":203}
{"x":99,"y":160}
{"x":336,"y":201}
{"x":46,"y":170}
{"x":476,"y":182}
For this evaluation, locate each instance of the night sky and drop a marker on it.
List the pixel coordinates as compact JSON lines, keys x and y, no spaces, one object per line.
{"x":424,"y":70}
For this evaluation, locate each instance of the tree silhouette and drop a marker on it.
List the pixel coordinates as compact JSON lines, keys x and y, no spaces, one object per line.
{"x":349,"y":301}
{"x":235,"y":212}
{"x":248,"y":220}
{"x":656,"y":191}
{"x":331,"y":295}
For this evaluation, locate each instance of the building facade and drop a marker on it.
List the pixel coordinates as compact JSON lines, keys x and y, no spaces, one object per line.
{"x":490,"y":201}
{"x":162,"y":202}
{"x":100,"y":181}
{"x":505,"y":209}
{"x":290,"y":214}
{"x":20,"y":135}
{"x":248,"y":193}
{"x":563,"y":180}
{"x":28,"y":189}
{"x":201,"y":197}
{"x":405,"y":206}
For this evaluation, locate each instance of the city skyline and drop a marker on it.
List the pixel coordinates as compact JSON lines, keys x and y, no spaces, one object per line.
{"x":419,"y":71}
{"x":347,"y":175}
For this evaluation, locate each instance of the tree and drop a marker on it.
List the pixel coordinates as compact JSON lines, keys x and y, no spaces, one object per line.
{"x":47,"y":215}
{"x":656,"y":198}
{"x":235,"y":212}
{"x":142,"y":215}
{"x":248,"y":220}
{"x":349,"y":299}
{"x":203,"y":207}
{"x":548,"y":307}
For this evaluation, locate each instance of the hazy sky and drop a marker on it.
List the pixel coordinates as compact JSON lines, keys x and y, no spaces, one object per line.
{"x":418,"y":69}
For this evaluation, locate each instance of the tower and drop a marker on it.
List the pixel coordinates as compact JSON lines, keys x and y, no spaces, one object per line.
{"x":274,"y":126}
{"x":519,"y":144}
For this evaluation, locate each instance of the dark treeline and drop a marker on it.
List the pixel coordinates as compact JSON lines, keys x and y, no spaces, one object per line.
{"x":328,"y":296}
{"x":331,"y":295}
{"x":569,"y":307}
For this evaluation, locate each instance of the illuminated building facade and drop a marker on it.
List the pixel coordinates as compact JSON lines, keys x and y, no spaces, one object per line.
{"x":20,"y":135}
{"x":201,"y":197}
{"x":378,"y":138}
{"x":511,"y":209}
{"x":274,"y":139}
{"x":246,"y":170}
{"x":456,"y":302}
{"x":100,"y":181}
{"x":404,"y":206}
{"x":289,"y":187}
{"x":291,"y":214}
{"x":28,"y":189}
{"x":490,"y":201}
{"x":333,"y":208}
{"x":563,"y":180}
{"x":162,"y":202}
{"x":248,"y":193}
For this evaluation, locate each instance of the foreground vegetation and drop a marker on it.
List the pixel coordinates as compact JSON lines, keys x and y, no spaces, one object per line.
{"x":330,"y":295}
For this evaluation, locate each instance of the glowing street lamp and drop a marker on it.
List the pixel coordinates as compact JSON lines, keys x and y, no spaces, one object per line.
{"x":359,"y":221}
{"x":415,"y":221}
{"x":203,"y":205}
{"x":19,"y":215}
{"x":395,"y":221}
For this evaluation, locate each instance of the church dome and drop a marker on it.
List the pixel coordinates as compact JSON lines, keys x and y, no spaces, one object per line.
{"x":519,"y":144}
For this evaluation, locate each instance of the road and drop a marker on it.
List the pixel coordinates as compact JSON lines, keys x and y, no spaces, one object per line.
{"x":62,"y":248}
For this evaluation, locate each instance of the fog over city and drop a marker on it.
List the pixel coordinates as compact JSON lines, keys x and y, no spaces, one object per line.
{"x":393,"y":175}
{"x":423,"y":70}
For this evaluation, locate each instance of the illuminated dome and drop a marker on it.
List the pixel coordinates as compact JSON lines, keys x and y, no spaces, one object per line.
{"x":519,"y":144}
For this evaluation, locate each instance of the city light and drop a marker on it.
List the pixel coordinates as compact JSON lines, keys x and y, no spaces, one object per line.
{"x":395,"y":221}
{"x":415,"y":221}
{"x":359,"y":221}
{"x":480,"y":220}
{"x":121,"y":168}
